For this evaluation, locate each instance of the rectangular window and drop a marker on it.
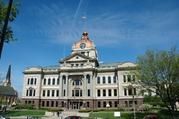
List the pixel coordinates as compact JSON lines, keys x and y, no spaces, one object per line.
{"x":115,"y":104}
{"x":58,"y":81}
{"x":44,"y":82}
{"x":80,"y":92}
{"x":109,"y":92}
{"x":115,"y":92}
{"x":125,"y":91}
{"x":88,"y":92}
{"x":57,"y":93}
{"x":53,"y":81}
{"x":124,"y":78}
{"x":30,"y":93}
{"x":27,"y":92}
{"x":98,"y":80}
{"x":43,"y":103}
{"x":104,"y":80}
{"x":88,"y":104}
{"x":77,"y":93}
{"x":99,"y":104}
{"x":28,"y":81}
{"x":104,"y":92}
{"x":114,"y":79}
{"x":73,"y":93}
{"x":35,"y":81}
{"x":48,"y":93}
{"x":104,"y":104}
{"x":130,"y":103}
{"x":53,"y":93}
{"x":99,"y":93}
{"x":31,"y":81}
{"x":34,"y":93}
{"x":133,"y":78}
{"x":56,"y":103}
{"x":89,"y":80}
{"x":49,"y":81}
{"x":130,"y":91}
{"x":64,"y":81}
{"x":47,"y":104}
{"x":109,"y":80}
{"x":129,"y":78}
{"x":52,"y":103}
{"x":134,"y":89}
{"x":43,"y":93}
{"x":64,"y":92}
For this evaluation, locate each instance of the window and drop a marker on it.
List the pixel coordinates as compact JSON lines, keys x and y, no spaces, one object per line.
{"x":53,"y":81}
{"x":64,"y":92}
{"x":104,"y":80}
{"x":76,"y":65}
{"x":58,"y":81}
{"x":81,"y":65}
{"x":88,"y":92}
{"x":129,"y":78}
{"x":49,"y":81}
{"x":115,"y":104}
{"x":104,"y":104}
{"x":133,"y":78}
{"x":130,"y":103}
{"x":115,"y":92}
{"x":80,"y":92}
{"x":27,"y":92}
{"x":110,"y":103}
{"x":73,"y":93}
{"x":57,"y":93}
{"x":56,"y":103}
{"x":99,"y":93}
{"x":48,"y":93}
{"x":43,"y":103}
{"x":72,"y":65}
{"x":31,"y":81}
{"x":88,"y":104}
{"x":104,"y":92}
{"x":44,"y":82}
{"x":114,"y":79}
{"x":125,"y":91}
{"x":98,"y":80}
{"x":64,"y":79}
{"x":35,"y":81}
{"x":28,"y":81}
{"x":53,"y":93}
{"x":126,"y":103}
{"x":77,"y":92}
{"x":30,"y":93}
{"x":34,"y":93}
{"x":47,"y":104}
{"x":109,"y":79}
{"x":99,"y":104}
{"x":43,"y":93}
{"x":109,"y":92}
{"x":134,"y":89}
{"x":130,"y":91}
{"x":77,"y":82}
{"x":52,"y":103}
{"x":88,"y":78}
{"x":124,"y":78}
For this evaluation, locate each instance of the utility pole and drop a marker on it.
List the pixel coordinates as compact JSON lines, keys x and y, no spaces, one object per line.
{"x":6,"y":20}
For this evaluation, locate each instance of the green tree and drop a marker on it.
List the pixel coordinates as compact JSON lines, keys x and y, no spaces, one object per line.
{"x":159,"y":73}
{"x":3,"y":11}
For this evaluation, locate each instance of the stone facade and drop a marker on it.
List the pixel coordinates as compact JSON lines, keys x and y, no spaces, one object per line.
{"x":80,"y":81}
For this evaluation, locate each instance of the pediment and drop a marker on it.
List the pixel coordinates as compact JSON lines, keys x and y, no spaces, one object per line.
{"x":76,"y":57}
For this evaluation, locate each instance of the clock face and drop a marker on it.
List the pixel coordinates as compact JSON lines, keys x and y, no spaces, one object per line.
{"x":82,"y":45}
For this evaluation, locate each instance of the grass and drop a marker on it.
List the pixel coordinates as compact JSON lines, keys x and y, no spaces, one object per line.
{"x":24,"y":113}
{"x":129,"y":115}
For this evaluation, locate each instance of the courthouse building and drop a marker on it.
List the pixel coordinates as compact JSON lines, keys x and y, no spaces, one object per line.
{"x":80,"y":81}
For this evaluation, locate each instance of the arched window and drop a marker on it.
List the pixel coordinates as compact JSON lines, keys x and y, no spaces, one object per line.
{"x":31,"y":82}
{"x":88,"y":78}
{"x":53,"y":81}
{"x":114,"y":79}
{"x":77,"y":82}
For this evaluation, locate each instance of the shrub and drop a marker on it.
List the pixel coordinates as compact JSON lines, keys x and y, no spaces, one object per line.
{"x":22,"y":106}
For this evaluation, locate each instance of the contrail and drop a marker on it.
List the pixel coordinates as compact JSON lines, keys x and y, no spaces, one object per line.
{"x":78,"y":8}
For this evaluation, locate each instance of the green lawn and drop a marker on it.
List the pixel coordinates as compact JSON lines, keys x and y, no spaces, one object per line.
{"x":24,"y":113}
{"x":129,"y":115}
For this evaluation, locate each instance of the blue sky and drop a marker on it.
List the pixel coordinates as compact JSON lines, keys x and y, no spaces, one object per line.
{"x":121,"y":30}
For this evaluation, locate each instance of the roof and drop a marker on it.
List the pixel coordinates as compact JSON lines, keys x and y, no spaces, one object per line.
{"x":7,"y":91}
{"x":116,"y":64}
